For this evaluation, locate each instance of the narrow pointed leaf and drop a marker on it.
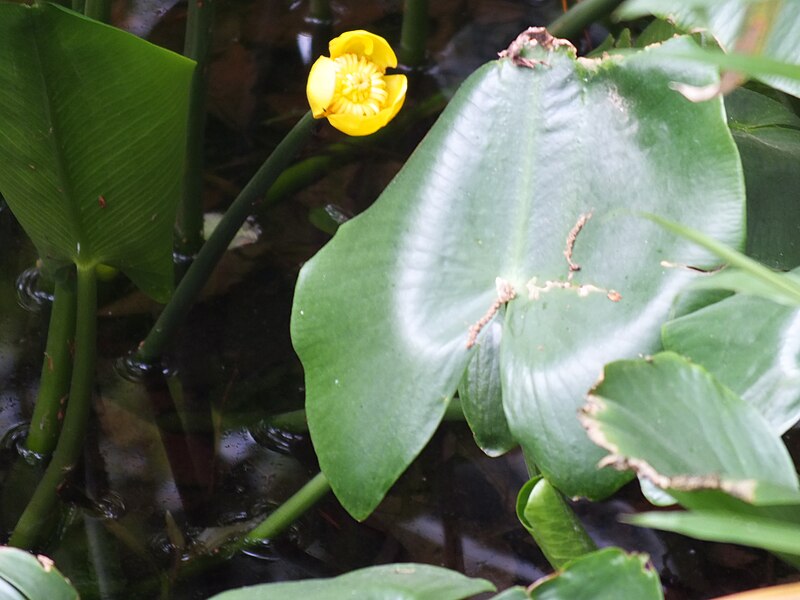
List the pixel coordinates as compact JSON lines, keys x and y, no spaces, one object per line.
{"x":385,"y":316}
{"x":92,"y":127}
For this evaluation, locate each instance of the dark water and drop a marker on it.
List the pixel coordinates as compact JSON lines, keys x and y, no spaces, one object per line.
{"x":178,"y":460}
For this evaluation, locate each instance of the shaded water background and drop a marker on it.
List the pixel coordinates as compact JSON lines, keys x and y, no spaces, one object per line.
{"x":178,"y":460}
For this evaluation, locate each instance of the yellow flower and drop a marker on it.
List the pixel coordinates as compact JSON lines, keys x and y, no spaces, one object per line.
{"x":351,"y":88}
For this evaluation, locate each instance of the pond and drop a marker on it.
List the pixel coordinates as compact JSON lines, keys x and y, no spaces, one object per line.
{"x":182,"y":456}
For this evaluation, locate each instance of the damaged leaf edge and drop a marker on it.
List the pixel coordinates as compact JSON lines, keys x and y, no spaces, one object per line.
{"x":743,"y":489}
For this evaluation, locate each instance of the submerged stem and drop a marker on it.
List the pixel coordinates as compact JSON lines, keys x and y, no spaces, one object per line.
{"x":288,"y":512}
{"x":197,"y":275}
{"x":70,"y":444}
{"x":99,"y":10}
{"x":56,"y":370}
{"x":584,"y":13}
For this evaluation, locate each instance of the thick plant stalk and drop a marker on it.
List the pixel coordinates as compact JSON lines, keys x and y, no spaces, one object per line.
{"x":197,"y":275}
{"x":70,"y":443}
{"x":584,"y":13}
{"x":56,"y":370}
{"x":414,"y":35}
{"x":288,"y":512}
{"x":189,"y":223}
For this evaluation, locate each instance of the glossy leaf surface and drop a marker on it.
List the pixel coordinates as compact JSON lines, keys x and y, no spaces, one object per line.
{"x":481,"y":394}
{"x":31,"y":578}
{"x":386,"y":582}
{"x":767,"y":134}
{"x":607,"y":574}
{"x":544,"y":512}
{"x":727,"y":20}
{"x":383,"y":315}
{"x":774,"y":535}
{"x":92,"y":127}
{"x":751,"y":345}
{"x":675,"y":424}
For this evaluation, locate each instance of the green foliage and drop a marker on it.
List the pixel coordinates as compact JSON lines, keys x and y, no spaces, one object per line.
{"x":544,"y":512}
{"x":750,"y":345}
{"x":383,"y":314}
{"x":26,"y":577}
{"x":607,"y":574}
{"x":658,"y":416}
{"x":736,"y":23}
{"x":385,"y":582}
{"x":92,"y":141}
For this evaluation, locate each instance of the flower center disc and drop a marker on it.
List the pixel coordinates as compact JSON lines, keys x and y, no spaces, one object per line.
{"x":360,"y":87}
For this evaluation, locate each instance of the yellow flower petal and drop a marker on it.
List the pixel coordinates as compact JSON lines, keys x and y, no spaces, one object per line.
{"x":396,"y":86}
{"x":364,"y":43}
{"x":321,"y":85}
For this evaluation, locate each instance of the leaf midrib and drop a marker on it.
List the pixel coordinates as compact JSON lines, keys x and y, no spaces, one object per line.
{"x":62,"y":173}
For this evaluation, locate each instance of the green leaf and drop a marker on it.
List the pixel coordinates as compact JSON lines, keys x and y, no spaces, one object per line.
{"x":767,"y":134}
{"x":775,"y":535}
{"x":383,"y":315}
{"x":749,"y":276}
{"x":727,"y":20}
{"x":515,"y":593}
{"x":607,"y":574}
{"x":675,"y":424}
{"x":481,"y":394}
{"x":543,"y":511}
{"x":32,"y":578}
{"x":750,"y":345}
{"x":386,"y":582}
{"x":92,"y":134}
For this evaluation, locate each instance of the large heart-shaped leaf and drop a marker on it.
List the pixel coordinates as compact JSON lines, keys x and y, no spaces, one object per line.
{"x":92,"y":134}
{"x":501,"y":188}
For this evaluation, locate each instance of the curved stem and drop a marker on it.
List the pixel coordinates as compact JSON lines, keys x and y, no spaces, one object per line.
{"x":288,"y":512}
{"x":189,"y":223}
{"x":56,"y":370}
{"x":584,"y":13}
{"x":414,"y":35}
{"x":70,"y":444}
{"x":197,"y":275}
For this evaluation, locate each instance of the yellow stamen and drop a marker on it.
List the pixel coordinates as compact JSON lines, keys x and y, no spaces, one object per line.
{"x":360,"y":87}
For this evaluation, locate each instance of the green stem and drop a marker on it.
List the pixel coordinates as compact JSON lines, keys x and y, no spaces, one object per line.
{"x":288,"y":512}
{"x":414,"y":35}
{"x":56,"y":370}
{"x":99,"y":10}
{"x":320,"y":11}
{"x":584,"y":13}
{"x":197,"y":275}
{"x":70,"y":443}
{"x":189,"y":223}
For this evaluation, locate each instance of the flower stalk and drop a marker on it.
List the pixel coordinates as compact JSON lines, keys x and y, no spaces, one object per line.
{"x":414,"y":34}
{"x":192,"y":283}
